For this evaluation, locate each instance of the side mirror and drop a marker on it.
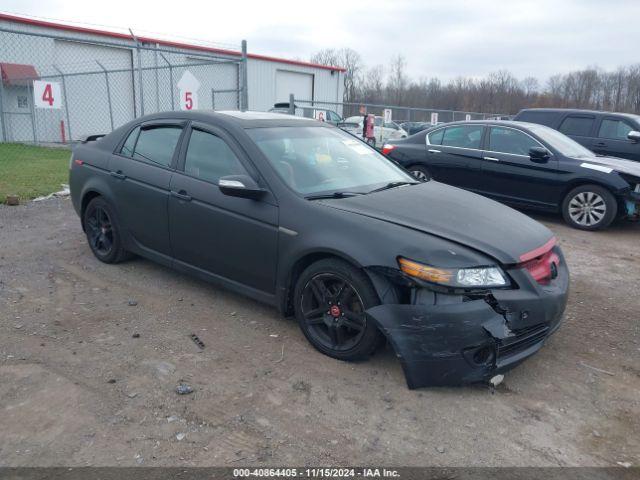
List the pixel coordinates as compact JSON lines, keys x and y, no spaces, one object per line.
{"x":242,"y":186}
{"x":539,"y":154}
{"x":634,"y":136}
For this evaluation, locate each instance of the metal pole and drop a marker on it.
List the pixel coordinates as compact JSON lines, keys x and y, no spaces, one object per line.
{"x":245,"y":91}
{"x":66,"y":100}
{"x":292,"y":105}
{"x":2,"y":118}
{"x":170,"y":79}
{"x":106,"y":79}
{"x":139,"y":71}
{"x":33,"y":112}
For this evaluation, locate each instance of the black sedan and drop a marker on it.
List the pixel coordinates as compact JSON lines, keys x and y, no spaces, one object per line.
{"x":414,"y":127}
{"x":301,"y":215}
{"x":525,"y":165}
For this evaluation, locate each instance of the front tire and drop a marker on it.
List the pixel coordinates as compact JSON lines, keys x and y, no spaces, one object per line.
{"x":589,"y":207}
{"x":420,"y":172}
{"x":102,"y":230}
{"x":330,"y":299}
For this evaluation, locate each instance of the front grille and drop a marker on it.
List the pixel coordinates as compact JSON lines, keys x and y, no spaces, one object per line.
{"x":522,"y":340}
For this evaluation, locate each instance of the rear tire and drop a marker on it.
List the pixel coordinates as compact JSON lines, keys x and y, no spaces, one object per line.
{"x":589,"y":207}
{"x":103,"y":232}
{"x":420,"y":172}
{"x":330,"y":299}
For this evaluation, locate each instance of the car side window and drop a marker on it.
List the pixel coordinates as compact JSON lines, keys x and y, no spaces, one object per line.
{"x":463,"y":136}
{"x":129,"y":145}
{"x":209,"y":158}
{"x":157,"y":144}
{"x":576,"y":125}
{"x":435,"y":138}
{"x":508,"y":140}
{"x":614,"y":129}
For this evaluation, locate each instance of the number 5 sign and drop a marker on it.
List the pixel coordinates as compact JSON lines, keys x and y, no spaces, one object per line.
{"x":188,"y":86}
{"x":46,"y":94}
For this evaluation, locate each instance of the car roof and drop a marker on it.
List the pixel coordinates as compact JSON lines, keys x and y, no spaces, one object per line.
{"x":506,"y":123}
{"x":246,"y":119}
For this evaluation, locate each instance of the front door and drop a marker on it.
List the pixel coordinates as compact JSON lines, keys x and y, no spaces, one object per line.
{"x":229,"y":237}
{"x":510,"y":176}
{"x":612,"y":139}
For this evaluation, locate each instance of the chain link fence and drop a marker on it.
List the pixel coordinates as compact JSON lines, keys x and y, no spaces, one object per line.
{"x":399,"y":114}
{"x":56,"y":89}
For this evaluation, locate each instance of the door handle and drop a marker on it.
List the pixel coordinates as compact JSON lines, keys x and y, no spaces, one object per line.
{"x":119,"y":175}
{"x":433,"y":150}
{"x":601,"y":144}
{"x":182,"y":195}
{"x":492,"y":159}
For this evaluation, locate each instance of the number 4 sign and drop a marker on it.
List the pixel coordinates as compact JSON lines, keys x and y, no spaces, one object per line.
{"x":46,"y":94}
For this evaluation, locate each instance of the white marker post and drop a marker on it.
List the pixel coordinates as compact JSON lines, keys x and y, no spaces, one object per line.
{"x":188,"y":86}
{"x":47,"y":94}
{"x":467,"y":117}
{"x":434,"y":118}
{"x":387,"y":115}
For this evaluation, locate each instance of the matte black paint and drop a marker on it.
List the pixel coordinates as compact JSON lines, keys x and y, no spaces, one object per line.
{"x":257,"y":247}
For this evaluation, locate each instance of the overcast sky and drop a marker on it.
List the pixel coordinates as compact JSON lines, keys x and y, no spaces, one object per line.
{"x":443,"y":38}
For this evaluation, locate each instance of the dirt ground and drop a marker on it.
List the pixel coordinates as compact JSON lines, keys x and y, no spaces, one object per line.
{"x":91,"y":354}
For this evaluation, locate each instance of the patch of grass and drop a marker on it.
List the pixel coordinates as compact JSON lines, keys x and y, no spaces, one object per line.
{"x":29,"y":171}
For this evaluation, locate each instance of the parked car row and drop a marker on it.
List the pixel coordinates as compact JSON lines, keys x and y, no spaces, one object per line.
{"x":525,"y":165}
{"x":301,"y":215}
{"x":605,"y":133}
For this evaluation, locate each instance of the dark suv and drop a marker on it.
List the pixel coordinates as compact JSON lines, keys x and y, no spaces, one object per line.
{"x":605,"y":133}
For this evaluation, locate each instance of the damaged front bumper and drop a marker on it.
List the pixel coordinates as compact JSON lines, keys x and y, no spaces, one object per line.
{"x":457,"y":339}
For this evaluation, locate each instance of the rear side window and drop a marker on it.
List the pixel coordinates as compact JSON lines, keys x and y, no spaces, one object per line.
{"x":614,"y":129}
{"x":574,"y":125}
{"x":435,"y":138}
{"x":463,"y":136}
{"x":157,"y":144}
{"x":543,"y":118}
{"x":507,"y":140}
{"x":209,"y":158}
{"x":129,"y":145}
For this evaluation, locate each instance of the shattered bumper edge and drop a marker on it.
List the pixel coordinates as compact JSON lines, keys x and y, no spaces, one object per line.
{"x":438,"y":345}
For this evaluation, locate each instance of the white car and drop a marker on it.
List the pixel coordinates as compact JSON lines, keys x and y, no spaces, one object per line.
{"x":382,"y":131}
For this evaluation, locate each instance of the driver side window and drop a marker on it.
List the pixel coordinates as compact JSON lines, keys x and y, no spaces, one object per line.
{"x":508,"y":140}
{"x":209,"y":158}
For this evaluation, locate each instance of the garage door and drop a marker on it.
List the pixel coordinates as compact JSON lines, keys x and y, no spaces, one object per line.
{"x":300,"y":84}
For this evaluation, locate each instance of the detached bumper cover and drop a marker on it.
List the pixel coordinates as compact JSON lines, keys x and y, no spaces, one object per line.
{"x":470,"y":341}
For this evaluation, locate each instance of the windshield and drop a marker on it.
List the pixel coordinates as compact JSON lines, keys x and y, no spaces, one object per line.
{"x":561,"y":142}
{"x":315,"y":160}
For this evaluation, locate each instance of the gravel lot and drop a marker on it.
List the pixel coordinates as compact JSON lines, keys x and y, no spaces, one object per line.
{"x":91,"y":354}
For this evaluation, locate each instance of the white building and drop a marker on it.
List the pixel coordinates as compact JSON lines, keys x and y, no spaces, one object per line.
{"x":108,"y":78}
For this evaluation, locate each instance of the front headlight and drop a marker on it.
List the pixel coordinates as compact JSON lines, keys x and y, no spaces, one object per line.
{"x":475,"y":277}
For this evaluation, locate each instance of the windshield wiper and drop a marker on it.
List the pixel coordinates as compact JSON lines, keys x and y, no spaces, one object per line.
{"x":393,"y":185}
{"x":320,"y":196}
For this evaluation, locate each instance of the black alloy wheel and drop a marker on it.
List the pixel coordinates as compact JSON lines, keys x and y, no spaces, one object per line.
{"x":331,"y":301}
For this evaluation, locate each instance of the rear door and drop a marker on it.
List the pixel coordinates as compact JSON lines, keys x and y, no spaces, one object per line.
{"x":141,"y":172}
{"x":612,"y":138}
{"x":510,"y":176}
{"x":229,"y":237}
{"x":454,"y":155}
{"x":580,"y":127}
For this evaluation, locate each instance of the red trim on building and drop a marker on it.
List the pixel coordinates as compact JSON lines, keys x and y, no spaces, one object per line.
{"x":106,"y":33}
{"x":17,"y":73}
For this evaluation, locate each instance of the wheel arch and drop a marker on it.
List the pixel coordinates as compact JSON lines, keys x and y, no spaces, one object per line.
{"x":285,"y":304}
{"x":579,"y":182}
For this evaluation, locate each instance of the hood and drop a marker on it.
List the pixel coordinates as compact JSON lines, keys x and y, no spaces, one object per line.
{"x":453,"y":214}
{"x":618,"y":164}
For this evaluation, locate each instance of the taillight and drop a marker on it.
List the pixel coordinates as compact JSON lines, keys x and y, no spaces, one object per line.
{"x":386,"y":148}
{"x":542,"y":263}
